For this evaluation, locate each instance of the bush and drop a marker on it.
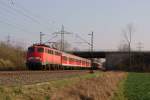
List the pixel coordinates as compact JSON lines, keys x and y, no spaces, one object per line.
{"x":11,"y":57}
{"x":139,"y":63}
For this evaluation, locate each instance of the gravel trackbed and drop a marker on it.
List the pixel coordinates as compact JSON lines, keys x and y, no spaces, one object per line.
{"x":12,"y":78}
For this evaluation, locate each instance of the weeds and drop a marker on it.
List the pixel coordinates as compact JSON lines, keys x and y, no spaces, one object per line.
{"x":18,"y":91}
{"x":43,"y":91}
{"x":47,"y":98}
{"x":1,"y":89}
{"x":98,"y":88}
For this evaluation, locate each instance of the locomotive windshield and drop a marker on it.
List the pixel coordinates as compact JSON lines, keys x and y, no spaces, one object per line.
{"x":31,"y":49}
{"x":40,"y":50}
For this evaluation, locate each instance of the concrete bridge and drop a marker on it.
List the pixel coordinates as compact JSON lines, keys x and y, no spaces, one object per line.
{"x":104,"y":54}
{"x":111,"y":57}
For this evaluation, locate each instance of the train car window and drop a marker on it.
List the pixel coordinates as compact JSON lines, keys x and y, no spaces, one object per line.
{"x":57,"y":53}
{"x":83,"y":62}
{"x":64,"y":58}
{"x":40,"y":49}
{"x":71,"y":59}
{"x":79,"y":61}
{"x":31,"y":49}
{"x":46,"y":50}
{"x":50,"y":51}
{"x":76,"y":60}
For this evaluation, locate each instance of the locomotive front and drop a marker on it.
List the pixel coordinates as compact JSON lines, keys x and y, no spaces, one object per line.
{"x":34,"y":57}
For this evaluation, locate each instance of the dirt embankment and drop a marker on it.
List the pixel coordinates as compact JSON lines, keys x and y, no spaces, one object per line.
{"x":100,"y":88}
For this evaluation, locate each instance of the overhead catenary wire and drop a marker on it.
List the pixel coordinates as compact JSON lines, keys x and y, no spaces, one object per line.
{"x":79,"y":37}
{"x":51,"y":39}
{"x":8,"y":22}
{"x":12,"y":25}
{"x":20,"y":26}
{"x":30,"y":13}
{"x":10,"y":16}
{"x":23,"y":14}
{"x":6,"y":10}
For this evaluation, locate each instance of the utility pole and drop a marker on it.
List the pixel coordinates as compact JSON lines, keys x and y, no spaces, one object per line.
{"x":41,"y":35}
{"x":8,"y":40}
{"x":62,"y":33}
{"x":141,"y":56}
{"x":62,"y":38}
{"x":139,"y":46}
{"x":92,"y":38}
{"x":130,"y":48}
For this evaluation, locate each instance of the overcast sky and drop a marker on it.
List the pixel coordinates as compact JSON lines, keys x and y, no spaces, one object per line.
{"x":23,"y":20}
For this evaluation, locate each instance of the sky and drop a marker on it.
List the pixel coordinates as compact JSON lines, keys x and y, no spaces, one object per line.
{"x":23,"y":20}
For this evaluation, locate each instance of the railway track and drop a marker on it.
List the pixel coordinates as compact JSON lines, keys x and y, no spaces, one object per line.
{"x":12,"y":78}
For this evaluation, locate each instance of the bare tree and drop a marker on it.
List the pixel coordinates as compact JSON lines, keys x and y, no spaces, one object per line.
{"x":123,"y":47}
{"x":128,"y":37}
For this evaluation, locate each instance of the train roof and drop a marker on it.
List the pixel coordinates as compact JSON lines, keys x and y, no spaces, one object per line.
{"x":43,"y":45}
{"x":71,"y":55}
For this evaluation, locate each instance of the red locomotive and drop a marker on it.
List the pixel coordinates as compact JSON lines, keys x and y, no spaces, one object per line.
{"x":41,"y":56}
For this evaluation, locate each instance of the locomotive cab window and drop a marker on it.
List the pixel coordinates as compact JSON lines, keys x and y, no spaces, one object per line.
{"x":40,"y":50}
{"x":31,"y":49}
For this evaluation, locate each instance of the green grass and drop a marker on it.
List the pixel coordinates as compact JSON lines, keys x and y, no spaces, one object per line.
{"x":119,"y":94}
{"x":137,"y":86}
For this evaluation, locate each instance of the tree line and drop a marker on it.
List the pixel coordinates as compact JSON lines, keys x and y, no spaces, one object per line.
{"x":12,"y":57}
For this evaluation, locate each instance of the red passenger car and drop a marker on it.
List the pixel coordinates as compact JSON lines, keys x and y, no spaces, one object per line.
{"x":40,"y":56}
{"x":75,"y":62}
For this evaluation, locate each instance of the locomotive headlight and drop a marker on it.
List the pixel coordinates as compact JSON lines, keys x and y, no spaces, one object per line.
{"x":30,"y":58}
{"x":34,"y":58}
{"x":38,"y":58}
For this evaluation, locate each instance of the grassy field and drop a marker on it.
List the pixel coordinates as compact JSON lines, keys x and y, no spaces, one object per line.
{"x":96,"y":86}
{"x":135,"y":87}
{"x":41,"y":91}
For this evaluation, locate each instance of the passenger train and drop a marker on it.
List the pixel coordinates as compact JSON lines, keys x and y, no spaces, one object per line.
{"x":43,"y":57}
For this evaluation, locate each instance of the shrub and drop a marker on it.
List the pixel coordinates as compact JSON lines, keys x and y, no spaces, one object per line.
{"x":11,"y":57}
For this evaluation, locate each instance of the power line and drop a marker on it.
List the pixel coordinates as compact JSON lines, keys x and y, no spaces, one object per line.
{"x":16,"y":27}
{"x":5,"y":20}
{"x":12,"y":2}
{"x":62,"y":33}
{"x":85,"y":41}
{"x":28,"y":12}
{"x":51,"y":39}
{"x":23,"y":14}
{"x":7,"y":17}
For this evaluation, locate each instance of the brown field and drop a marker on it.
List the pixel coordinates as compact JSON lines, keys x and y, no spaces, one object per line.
{"x":100,"y":88}
{"x":68,"y":86}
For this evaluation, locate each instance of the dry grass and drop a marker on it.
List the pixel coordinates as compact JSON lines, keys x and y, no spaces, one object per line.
{"x":41,"y":91}
{"x":100,"y":88}
{"x":96,"y":86}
